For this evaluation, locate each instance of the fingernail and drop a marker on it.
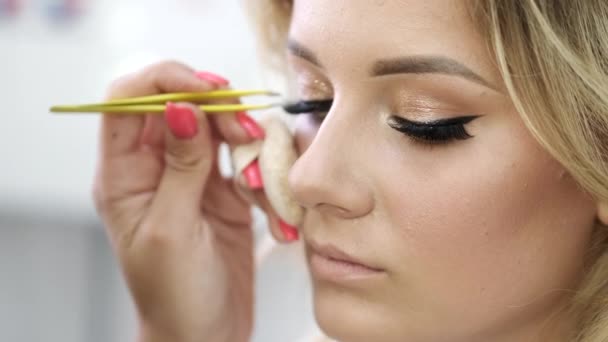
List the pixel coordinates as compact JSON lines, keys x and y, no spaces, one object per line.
{"x":289,"y":232}
{"x":213,"y":78}
{"x":253,"y":176}
{"x":181,"y":121}
{"x":250,"y":126}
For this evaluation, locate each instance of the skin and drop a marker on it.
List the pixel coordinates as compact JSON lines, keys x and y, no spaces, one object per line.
{"x":471,"y":235}
{"x":179,"y":229}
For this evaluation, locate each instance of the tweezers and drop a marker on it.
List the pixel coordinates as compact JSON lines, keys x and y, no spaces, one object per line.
{"x":157,"y":103}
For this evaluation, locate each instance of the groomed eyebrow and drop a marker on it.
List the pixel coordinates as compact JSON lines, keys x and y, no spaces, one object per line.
{"x":422,"y":64}
{"x":427,"y":65}
{"x":303,"y":52}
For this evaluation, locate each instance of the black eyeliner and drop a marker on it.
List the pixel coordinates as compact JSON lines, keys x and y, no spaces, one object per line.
{"x":461,"y":120}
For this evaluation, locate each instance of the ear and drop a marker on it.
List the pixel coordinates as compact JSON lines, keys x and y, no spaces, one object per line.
{"x":602,"y":212}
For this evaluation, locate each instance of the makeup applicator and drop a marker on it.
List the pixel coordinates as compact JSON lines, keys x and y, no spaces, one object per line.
{"x":275,"y":155}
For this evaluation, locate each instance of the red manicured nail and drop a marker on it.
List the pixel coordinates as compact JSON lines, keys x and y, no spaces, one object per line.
{"x":289,"y":232}
{"x":211,"y":77}
{"x":181,"y":121}
{"x":253,"y":176}
{"x":250,"y":126}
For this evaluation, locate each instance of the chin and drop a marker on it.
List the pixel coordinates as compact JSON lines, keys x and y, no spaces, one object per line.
{"x":348,"y":316}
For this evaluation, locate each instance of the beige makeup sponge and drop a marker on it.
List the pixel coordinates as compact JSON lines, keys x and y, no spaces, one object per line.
{"x":276,"y":154}
{"x":243,"y":155}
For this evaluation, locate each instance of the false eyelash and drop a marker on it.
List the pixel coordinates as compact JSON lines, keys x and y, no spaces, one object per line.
{"x":303,"y":107}
{"x":433,"y":132}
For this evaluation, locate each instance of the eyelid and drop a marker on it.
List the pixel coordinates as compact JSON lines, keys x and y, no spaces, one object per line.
{"x":460,"y":120}
{"x":313,"y":91}
{"x":427,"y":112}
{"x":310,"y":84}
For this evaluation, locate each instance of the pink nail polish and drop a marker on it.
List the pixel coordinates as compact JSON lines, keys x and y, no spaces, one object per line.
{"x":253,"y":176}
{"x":181,"y":121}
{"x":289,"y":232}
{"x":213,"y":78}
{"x":250,"y":126}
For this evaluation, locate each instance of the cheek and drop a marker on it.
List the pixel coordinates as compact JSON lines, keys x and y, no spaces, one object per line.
{"x":306,"y":129}
{"x":487,"y":217}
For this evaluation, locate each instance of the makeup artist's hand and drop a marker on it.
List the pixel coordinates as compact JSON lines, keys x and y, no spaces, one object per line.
{"x":181,"y":231}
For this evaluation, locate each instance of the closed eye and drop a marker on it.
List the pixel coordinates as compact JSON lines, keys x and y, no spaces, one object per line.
{"x":433,"y":132}
{"x":430,"y":132}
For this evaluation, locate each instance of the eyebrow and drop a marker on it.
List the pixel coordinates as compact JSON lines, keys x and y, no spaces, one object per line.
{"x":303,"y":52}
{"x":427,"y":65}
{"x":423,"y":64}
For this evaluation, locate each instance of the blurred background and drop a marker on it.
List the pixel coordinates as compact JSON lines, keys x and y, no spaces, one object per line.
{"x":58,"y":278}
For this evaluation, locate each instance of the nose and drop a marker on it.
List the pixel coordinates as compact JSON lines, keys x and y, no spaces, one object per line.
{"x":329,"y":175}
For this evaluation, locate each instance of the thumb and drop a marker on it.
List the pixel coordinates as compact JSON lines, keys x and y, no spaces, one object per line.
{"x":188,"y":157}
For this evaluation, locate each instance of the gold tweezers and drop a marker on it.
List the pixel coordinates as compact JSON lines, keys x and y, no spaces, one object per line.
{"x":157,"y":103}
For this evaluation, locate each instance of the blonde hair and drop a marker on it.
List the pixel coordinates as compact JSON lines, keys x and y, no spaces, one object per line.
{"x":553,"y":57}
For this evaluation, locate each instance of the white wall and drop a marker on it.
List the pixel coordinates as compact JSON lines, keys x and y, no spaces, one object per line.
{"x":58,"y":280}
{"x":50,"y":158}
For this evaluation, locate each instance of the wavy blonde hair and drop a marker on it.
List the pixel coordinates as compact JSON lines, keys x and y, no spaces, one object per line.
{"x":553,"y":57}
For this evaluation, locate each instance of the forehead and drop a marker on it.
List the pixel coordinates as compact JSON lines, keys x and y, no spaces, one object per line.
{"x":366,"y":30}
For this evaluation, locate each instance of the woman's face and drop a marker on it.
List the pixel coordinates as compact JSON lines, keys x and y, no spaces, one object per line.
{"x":457,"y":225}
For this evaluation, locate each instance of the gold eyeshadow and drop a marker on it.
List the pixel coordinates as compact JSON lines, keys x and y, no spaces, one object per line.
{"x":311,"y":88}
{"x":307,"y":84}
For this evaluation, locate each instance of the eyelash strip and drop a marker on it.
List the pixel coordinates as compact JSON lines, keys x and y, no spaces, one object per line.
{"x":433,"y":132}
{"x":301,"y":107}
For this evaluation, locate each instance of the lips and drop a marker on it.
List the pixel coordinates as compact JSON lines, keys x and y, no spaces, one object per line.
{"x":333,"y":253}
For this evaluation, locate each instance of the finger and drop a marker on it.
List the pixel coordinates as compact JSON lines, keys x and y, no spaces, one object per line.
{"x":235,"y":129}
{"x":279,"y":229}
{"x":188,"y":159}
{"x":121,"y":133}
{"x":258,"y":198}
{"x":229,"y":130}
{"x":170,"y":76}
{"x":245,"y":190}
{"x":223,"y":201}
{"x":153,"y":134}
